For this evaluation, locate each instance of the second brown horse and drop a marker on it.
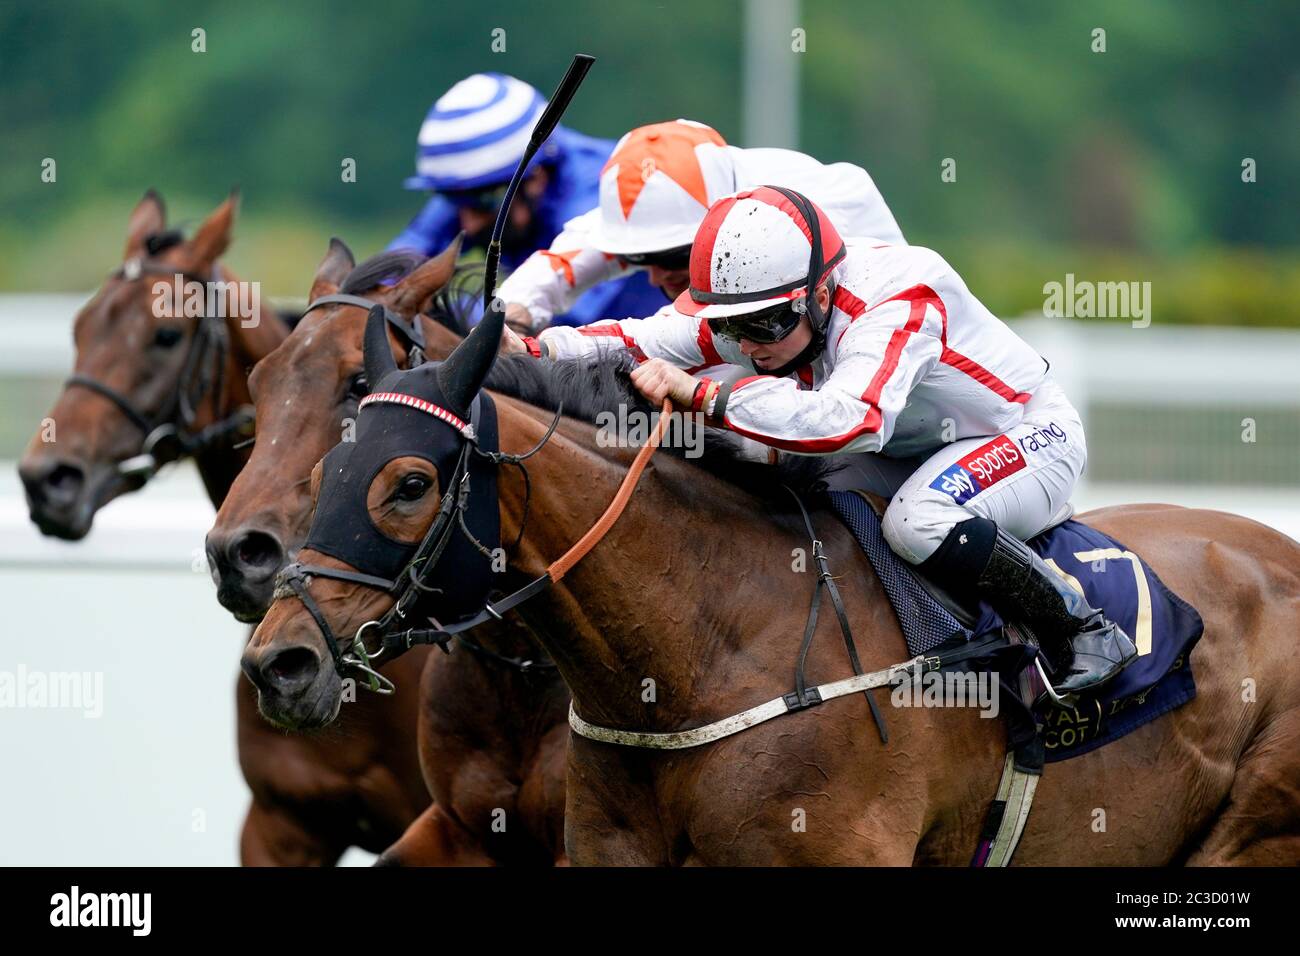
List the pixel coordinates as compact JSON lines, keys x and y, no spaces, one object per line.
{"x":492,"y":730}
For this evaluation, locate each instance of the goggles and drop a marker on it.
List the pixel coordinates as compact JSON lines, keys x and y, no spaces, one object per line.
{"x":765,"y":327}
{"x":485,"y":198}
{"x":670,"y":259}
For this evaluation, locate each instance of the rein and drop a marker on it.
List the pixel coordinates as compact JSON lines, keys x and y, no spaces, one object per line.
{"x":167,"y":435}
{"x":410,"y":584}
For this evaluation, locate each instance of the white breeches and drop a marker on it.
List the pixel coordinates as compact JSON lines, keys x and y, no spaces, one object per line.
{"x":1021,"y":479}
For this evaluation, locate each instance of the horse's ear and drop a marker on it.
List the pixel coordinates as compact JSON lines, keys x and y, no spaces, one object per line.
{"x":411,"y":296}
{"x":333,"y":269}
{"x":213,"y":237}
{"x":379,"y":361}
{"x":466,"y":369}
{"x":148,"y":218}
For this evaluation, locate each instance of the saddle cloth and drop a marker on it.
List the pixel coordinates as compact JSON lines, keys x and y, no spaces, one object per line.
{"x":1163,"y":625}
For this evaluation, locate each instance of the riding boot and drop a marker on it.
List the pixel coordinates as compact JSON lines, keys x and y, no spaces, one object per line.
{"x":1082,"y":648}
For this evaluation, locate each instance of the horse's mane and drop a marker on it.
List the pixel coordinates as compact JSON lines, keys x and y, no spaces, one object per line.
{"x":583,"y":387}
{"x":453,"y":304}
{"x":373,"y":272}
{"x":159,"y":242}
{"x":460,"y":300}
{"x":587,"y":388}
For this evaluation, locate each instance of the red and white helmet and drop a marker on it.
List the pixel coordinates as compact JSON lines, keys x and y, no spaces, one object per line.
{"x":657,"y":185}
{"x":757,"y":249}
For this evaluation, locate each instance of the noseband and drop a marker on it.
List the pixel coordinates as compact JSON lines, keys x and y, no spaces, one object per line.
{"x":168,"y":435}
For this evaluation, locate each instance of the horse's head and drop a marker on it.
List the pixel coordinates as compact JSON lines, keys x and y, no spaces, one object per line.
{"x":306,"y":394}
{"x":395,"y":527}
{"x":140,"y":367}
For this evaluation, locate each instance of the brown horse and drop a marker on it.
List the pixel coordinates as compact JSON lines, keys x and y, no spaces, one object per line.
{"x":361,"y":786}
{"x":693,"y":590}
{"x":136,"y":371}
{"x":306,"y":393}
{"x":312,"y":800}
{"x":491,"y":734}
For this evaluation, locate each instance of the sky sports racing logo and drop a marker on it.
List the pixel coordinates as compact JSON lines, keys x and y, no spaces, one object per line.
{"x":980,"y":470}
{"x":1049,"y":434}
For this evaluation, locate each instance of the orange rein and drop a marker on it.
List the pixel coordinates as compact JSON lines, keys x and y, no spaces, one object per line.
{"x":561,"y":565}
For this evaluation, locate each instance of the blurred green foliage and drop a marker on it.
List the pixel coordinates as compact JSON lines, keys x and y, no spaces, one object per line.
{"x":1123,"y":165}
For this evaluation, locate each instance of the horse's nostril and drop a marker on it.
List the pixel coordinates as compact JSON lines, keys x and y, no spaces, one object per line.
{"x":59,"y":484}
{"x":291,"y":667}
{"x":66,"y":479}
{"x":256,"y":553}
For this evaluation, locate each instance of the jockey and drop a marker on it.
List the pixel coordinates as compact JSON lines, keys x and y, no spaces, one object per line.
{"x":865,"y":346}
{"x":469,"y":145}
{"x":654,"y":192}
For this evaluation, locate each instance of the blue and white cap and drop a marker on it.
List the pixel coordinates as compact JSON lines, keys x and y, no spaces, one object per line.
{"x":476,"y":133}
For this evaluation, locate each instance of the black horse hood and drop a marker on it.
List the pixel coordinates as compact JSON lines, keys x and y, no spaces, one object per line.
{"x":407,"y":415}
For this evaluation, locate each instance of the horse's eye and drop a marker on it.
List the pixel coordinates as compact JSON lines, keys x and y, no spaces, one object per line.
{"x":412,"y":488}
{"x":167,"y":336}
{"x":358,"y":387}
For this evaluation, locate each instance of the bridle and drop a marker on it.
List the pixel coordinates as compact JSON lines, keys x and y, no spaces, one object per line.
{"x":410,"y":330}
{"x":412,"y":582}
{"x":169,"y":434}
{"x":393,"y":630}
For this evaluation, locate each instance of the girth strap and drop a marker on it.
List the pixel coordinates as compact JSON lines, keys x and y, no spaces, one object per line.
{"x":779,"y":706}
{"x":1007,"y":815}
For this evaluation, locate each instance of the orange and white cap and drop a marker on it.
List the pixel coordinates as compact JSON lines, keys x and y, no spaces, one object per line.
{"x":757,"y":249}
{"x":657,"y":185}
